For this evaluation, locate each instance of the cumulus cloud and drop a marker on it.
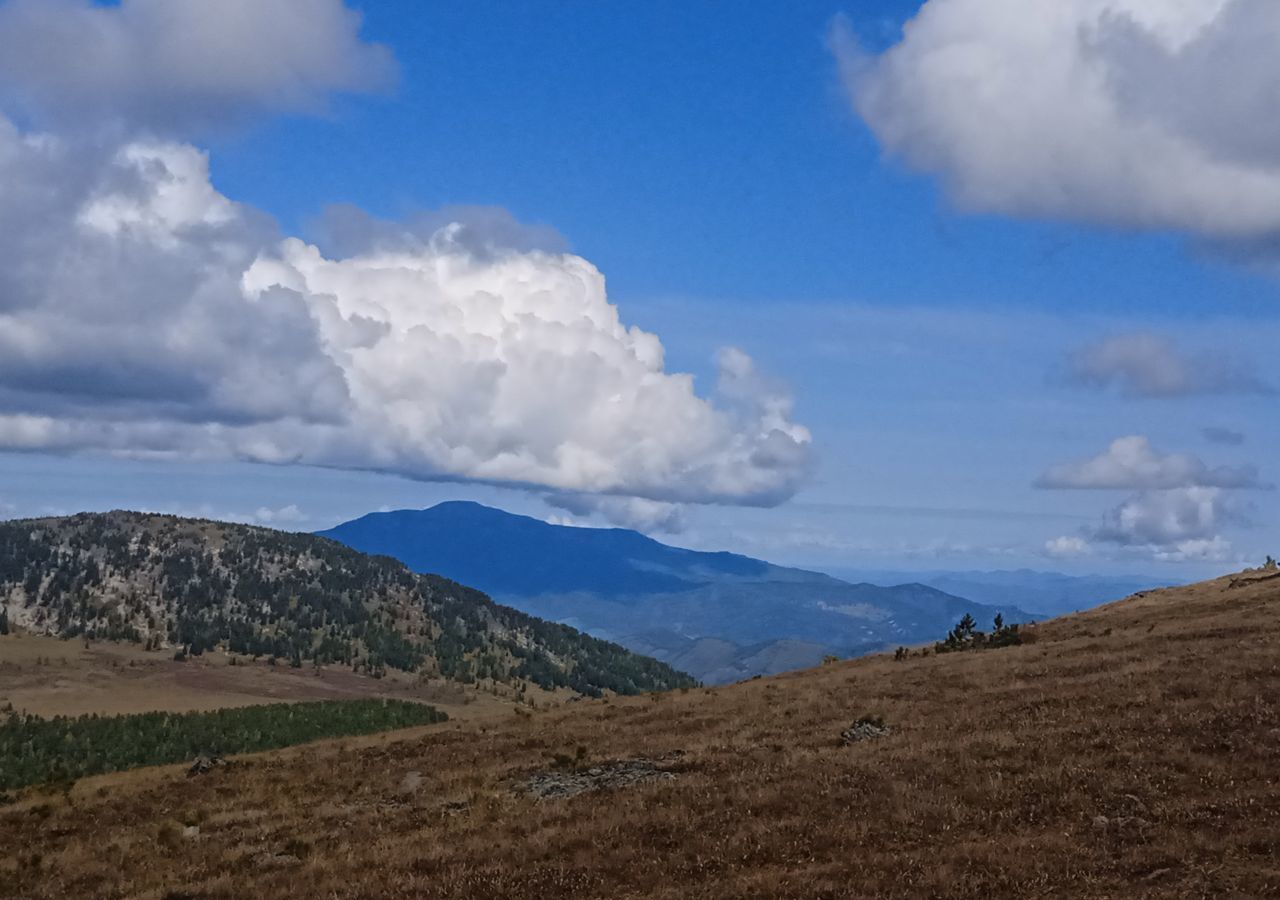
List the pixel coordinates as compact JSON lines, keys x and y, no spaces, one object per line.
{"x":628,"y":512}
{"x":1130,"y":463}
{"x":1133,"y":113}
{"x":1067,"y":547}
{"x":1165,"y":518}
{"x":1148,"y":365}
{"x":144,"y":313}
{"x":280,"y":518}
{"x":174,"y":65}
{"x":1176,"y":513}
{"x":1176,"y":525}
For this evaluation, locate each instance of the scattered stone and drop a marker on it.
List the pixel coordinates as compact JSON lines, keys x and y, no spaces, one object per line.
{"x":865,"y":729}
{"x":610,"y":776}
{"x":191,"y":832}
{"x":410,"y":784}
{"x":1120,"y":824}
{"x":1136,"y":804}
{"x":204,"y":765}
{"x":269,"y":860}
{"x":455,"y":807}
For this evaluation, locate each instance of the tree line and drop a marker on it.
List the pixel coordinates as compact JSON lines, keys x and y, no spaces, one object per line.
{"x":37,"y":751}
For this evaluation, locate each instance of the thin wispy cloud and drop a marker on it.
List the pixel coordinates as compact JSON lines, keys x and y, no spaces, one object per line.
{"x":1229,"y":437}
{"x":1152,"y":366}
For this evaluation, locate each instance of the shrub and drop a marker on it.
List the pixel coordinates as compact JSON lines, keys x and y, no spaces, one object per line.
{"x":966,"y":636}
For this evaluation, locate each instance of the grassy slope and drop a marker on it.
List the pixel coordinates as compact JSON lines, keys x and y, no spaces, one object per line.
{"x":1162,"y":711}
{"x":45,"y":676}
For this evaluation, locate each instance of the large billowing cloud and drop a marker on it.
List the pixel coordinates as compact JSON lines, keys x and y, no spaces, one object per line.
{"x":142,"y":312}
{"x":1140,"y":113}
{"x":1176,"y":512}
{"x":168,"y":65}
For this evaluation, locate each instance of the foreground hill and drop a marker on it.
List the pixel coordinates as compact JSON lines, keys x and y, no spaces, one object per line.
{"x":195,"y":585}
{"x":1129,"y":751}
{"x":718,"y":616}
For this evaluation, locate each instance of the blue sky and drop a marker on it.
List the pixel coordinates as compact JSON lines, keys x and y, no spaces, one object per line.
{"x":719,"y":171}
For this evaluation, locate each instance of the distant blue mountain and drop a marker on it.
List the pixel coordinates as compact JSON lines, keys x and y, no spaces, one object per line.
{"x":723,"y":616}
{"x":1042,"y":593}
{"x":502,"y":553}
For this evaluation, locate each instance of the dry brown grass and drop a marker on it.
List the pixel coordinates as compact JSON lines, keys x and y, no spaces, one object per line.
{"x":1159,"y":713}
{"x":45,"y":676}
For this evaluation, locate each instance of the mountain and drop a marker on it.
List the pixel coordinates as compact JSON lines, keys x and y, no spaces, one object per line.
{"x":662,"y":600}
{"x":195,"y":585}
{"x":1041,"y":593}
{"x":1126,"y":752}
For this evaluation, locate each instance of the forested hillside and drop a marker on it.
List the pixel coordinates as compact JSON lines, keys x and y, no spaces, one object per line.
{"x":186,"y":586}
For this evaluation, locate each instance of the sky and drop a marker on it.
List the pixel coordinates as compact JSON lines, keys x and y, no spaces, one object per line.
{"x":967,"y":284}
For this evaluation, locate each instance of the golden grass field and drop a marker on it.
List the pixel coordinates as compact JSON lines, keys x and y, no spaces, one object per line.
{"x":1128,"y":752}
{"x":46,"y":676}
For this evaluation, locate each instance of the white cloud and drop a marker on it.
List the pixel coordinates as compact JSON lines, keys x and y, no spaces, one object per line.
{"x":145,"y":314}
{"x":1130,"y":463}
{"x":1152,"y":114}
{"x":637,"y":513}
{"x":1067,"y":547}
{"x":1213,"y":549}
{"x":1177,"y":512}
{"x":1147,"y":365}
{"x":174,"y":65}
{"x":1165,"y":518}
{"x":1177,"y":525}
{"x":282,"y":517}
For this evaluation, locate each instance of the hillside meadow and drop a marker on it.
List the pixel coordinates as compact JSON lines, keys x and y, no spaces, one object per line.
{"x":1126,"y":752}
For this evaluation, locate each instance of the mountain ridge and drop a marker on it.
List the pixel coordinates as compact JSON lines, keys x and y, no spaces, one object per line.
{"x":629,"y":588}
{"x":196,"y":584}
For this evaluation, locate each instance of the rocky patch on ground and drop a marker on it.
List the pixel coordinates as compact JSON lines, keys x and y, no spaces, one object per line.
{"x":865,"y":729}
{"x":203,"y":765}
{"x":606,"y":776}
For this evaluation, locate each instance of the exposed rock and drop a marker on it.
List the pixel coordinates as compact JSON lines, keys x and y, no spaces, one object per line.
{"x":610,"y":776}
{"x":865,"y":729}
{"x":1120,"y":824}
{"x":205,"y":764}
{"x":276,"y":861}
{"x":191,"y":832}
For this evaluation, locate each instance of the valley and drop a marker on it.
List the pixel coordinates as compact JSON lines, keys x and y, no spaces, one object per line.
{"x":1128,"y":751}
